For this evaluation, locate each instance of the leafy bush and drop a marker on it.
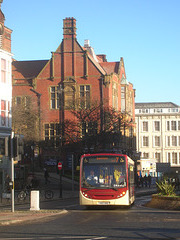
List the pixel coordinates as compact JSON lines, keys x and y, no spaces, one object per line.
{"x":166,"y":188}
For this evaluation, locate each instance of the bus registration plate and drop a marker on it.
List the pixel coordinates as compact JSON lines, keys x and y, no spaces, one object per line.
{"x":103,"y":203}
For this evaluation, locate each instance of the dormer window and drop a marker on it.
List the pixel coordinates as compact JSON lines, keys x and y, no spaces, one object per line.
{"x":144,"y":110}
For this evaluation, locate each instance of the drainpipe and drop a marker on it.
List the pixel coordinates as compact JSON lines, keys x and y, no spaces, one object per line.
{"x":102,"y":104}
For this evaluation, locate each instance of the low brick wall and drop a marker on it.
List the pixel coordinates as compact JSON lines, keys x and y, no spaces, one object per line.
{"x":163,"y":202}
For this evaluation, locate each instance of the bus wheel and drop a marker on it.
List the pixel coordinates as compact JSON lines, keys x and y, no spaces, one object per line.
{"x":21,"y":195}
{"x":49,"y":194}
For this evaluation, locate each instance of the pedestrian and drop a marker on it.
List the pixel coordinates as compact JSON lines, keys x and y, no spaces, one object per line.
{"x":145,"y":180}
{"x":7,"y":182}
{"x":46,"y":176}
{"x":137,"y":181}
{"x":177,"y":183}
{"x":142,"y":181}
{"x":149,"y":180}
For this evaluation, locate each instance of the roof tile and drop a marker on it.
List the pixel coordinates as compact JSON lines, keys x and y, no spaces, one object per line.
{"x":27,"y":69}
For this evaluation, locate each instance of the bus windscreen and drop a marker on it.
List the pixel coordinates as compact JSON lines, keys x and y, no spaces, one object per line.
{"x":104,"y":172}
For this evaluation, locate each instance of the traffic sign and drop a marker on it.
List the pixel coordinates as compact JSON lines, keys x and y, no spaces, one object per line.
{"x":59,"y":165}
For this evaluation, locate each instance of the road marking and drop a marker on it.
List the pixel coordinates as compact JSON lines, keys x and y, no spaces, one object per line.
{"x":83,"y":237}
{"x":67,"y":237}
{"x":96,"y":238}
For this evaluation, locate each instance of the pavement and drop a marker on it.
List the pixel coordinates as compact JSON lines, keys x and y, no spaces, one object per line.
{"x":7,"y":217}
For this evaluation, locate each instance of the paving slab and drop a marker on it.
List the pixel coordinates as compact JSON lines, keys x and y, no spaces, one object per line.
{"x":8,"y":217}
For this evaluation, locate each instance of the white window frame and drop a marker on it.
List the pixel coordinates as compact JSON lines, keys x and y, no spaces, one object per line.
{"x":154,"y":141}
{"x":168,"y":141}
{"x":143,"y":141}
{"x":145,"y":122}
{"x":3,"y":70}
{"x":158,"y":159}
{"x":157,"y":121}
{"x":175,"y":154}
{"x":168,"y":126}
{"x":55,"y":99}
{"x":174,"y":140}
{"x":145,"y":155}
{"x":172,"y":125}
{"x":168,"y":157}
{"x":85,"y":95}
{"x":3,"y":113}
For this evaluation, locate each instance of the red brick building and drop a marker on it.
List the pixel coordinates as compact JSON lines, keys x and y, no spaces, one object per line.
{"x":73,"y":72}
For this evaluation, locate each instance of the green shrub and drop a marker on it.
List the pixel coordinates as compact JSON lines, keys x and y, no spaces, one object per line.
{"x":166,"y":188}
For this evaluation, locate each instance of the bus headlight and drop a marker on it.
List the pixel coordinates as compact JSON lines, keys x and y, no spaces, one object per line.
{"x":121,"y":195}
{"x":86,"y":195}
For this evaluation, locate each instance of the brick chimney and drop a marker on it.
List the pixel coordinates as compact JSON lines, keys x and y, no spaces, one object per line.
{"x":2,"y":18}
{"x":5,"y":33}
{"x":69,"y":28}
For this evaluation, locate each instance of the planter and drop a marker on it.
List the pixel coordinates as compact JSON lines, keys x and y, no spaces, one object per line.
{"x":164,"y":202}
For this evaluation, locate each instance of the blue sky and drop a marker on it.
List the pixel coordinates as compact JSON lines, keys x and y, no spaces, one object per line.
{"x":146,"y":33}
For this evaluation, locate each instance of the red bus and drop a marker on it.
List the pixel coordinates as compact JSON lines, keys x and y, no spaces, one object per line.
{"x":106,"y":179}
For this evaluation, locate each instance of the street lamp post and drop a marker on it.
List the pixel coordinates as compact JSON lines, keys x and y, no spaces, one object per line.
{"x":61,"y":131}
{"x":12,"y":172}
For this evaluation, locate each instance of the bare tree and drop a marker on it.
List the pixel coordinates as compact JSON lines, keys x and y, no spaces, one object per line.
{"x":87,"y":126}
{"x":25,"y":120}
